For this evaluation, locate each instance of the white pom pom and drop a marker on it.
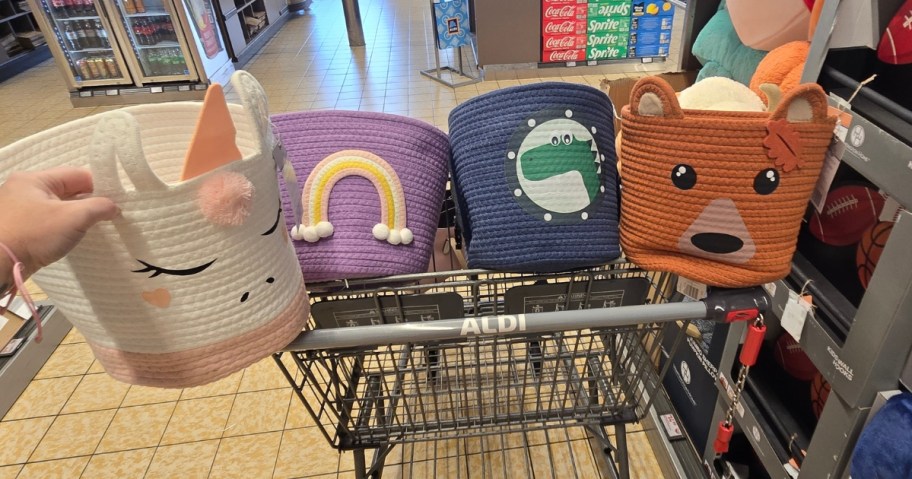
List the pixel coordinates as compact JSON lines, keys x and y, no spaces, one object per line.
{"x":324,"y":229}
{"x":309,"y":233}
{"x":296,"y":232}
{"x":394,"y":237}
{"x":406,"y":235}
{"x":381,"y":231}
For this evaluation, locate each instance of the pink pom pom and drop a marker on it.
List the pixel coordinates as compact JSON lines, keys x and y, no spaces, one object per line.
{"x":226,"y":199}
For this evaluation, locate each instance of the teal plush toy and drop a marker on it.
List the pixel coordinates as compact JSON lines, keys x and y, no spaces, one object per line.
{"x":721,"y":52}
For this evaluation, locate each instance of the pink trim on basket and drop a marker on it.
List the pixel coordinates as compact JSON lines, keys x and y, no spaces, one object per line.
{"x":194,"y":367}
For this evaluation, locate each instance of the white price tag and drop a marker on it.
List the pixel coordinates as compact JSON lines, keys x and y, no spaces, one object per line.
{"x":830,"y":164}
{"x":770,"y":289}
{"x":691,"y":288}
{"x":671,"y":426}
{"x":790,"y":470}
{"x":795,"y":314}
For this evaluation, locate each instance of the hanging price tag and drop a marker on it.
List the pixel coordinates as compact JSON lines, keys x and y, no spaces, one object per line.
{"x":830,"y":164}
{"x":795,"y":314}
{"x":691,"y":288}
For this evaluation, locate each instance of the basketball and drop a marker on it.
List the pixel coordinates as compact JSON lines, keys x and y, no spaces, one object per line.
{"x":789,"y":355}
{"x":869,"y":249}
{"x":849,"y":210}
{"x":820,"y":391}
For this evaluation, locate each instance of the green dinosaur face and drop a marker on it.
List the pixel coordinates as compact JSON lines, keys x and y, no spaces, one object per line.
{"x":564,"y":153}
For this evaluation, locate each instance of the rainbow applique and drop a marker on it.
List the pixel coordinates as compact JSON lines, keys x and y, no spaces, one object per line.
{"x":315,"y":224}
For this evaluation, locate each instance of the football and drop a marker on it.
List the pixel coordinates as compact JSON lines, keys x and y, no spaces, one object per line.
{"x":848,"y":212}
{"x":896,"y":43}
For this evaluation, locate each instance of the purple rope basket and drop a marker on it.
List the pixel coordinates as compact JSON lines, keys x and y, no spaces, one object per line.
{"x":373,"y":186}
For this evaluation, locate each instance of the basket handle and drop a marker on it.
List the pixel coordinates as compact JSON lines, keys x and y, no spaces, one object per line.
{"x":117,"y":137}
{"x":804,"y":103}
{"x":253,"y":98}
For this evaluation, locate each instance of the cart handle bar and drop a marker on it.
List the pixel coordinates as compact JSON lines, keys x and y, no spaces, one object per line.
{"x":723,"y":306}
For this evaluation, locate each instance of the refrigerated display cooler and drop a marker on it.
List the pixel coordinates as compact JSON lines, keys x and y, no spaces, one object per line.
{"x":134,"y":51}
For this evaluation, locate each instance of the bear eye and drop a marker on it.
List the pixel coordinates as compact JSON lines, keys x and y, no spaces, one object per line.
{"x":683,"y":176}
{"x":766,"y":181}
{"x":567,"y":138}
{"x":555,"y":140}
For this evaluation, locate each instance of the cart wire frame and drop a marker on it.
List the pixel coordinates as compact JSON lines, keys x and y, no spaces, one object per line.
{"x":373,"y":387}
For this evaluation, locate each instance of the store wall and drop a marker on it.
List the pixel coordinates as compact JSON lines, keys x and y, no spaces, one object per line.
{"x":508,"y":32}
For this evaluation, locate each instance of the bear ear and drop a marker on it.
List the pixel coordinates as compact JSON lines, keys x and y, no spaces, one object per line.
{"x":805,"y":103}
{"x":652,"y":96}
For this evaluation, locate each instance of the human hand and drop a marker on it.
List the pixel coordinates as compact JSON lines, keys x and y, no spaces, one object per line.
{"x":44,"y":214}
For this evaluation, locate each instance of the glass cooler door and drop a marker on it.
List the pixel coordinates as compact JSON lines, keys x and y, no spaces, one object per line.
{"x":85,"y":49}
{"x":159,"y":48}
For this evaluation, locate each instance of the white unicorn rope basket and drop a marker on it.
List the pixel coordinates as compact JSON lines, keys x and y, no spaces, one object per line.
{"x":197,"y":279}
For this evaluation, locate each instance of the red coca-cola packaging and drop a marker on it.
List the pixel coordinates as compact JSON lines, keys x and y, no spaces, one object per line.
{"x":563,"y":56}
{"x":570,"y":11}
{"x":545,"y":3}
{"x":563,"y":27}
{"x":564,"y":42}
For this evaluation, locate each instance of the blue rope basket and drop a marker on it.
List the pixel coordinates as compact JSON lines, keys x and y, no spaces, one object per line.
{"x":535,"y":174}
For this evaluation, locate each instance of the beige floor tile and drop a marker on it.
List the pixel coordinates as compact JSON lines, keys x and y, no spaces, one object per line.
{"x":256,"y":412}
{"x":95,"y":392}
{"x":265,"y":374}
{"x":258,"y":451}
{"x":224,"y":386}
{"x":137,"y":427}
{"x":43,"y":398}
{"x":96,"y":368}
{"x":73,"y":337}
{"x":321,"y":458}
{"x":298,"y":415}
{"x":139,"y":395}
{"x":67,"y":360}
{"x":19,"y":438}
{"x":10,"y":472}
{"x":191,"y":461}
{"x":73,"y":435}
{"x":119,"y":465}
{"x":62,"y":468}
{"x":198,"y":419}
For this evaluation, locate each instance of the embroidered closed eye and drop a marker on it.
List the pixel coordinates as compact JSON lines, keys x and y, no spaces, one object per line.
{"x":274,"y":225}
{"x":157,"y":270}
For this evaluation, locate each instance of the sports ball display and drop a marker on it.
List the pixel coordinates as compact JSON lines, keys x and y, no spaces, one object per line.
{"x":870,"y":248}
{"x":789,"y":355}
{"x":896,"y":43}
{"x":848,"y":211}
{"x":820,"y":391}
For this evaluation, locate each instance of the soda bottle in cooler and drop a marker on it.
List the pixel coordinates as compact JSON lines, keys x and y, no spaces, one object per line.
{"x":93,"y":68}
{"x":180,"y":63}
{"x":72,"y":39}
{"x":140,"y":6}
{"x":89,"y":7}
{"x":59,"y":9}
{"x":111,"y":67}
{"x":102,"y":35}
{"x":138,"y":33}
{"x":129,"y":7}
{"x":91,"y":34}
{"x":81,"y":35}
{"x":83,"y":67}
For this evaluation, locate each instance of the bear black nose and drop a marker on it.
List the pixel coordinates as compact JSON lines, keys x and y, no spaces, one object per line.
{"x":720,"y":243}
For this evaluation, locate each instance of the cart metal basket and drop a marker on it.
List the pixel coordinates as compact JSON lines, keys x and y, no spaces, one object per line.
{"x":495,"y":370}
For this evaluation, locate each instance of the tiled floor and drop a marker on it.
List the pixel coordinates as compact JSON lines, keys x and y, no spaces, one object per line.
{"x":74,"y":421}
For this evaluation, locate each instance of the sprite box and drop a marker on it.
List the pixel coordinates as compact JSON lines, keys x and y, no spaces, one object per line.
{"x":608,"y":39}
{"x":604,"y":52}
{"x":610,"y":9}
{"x":609,"y":25}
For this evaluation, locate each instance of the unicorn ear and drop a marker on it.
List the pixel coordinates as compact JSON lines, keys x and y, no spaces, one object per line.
{"x":213,"y":143}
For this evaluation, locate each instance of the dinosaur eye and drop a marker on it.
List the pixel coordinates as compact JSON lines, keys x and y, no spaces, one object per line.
{"x":555,"y":140}
{"x":684,"y":177}
{"x":766,"y":181}
{"x":567,"y":138}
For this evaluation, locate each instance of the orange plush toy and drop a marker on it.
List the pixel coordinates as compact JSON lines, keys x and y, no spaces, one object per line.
{"x":718,"y":196}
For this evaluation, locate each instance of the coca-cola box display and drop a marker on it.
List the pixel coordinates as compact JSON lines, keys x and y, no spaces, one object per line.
{"x":564,"y":56}
{"x":563,"y":27}
{"x":564,"y":42}
{"x":569,"y":11}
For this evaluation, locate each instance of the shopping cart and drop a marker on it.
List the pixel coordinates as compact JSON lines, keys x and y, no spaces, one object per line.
{"x":497,"y":375}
